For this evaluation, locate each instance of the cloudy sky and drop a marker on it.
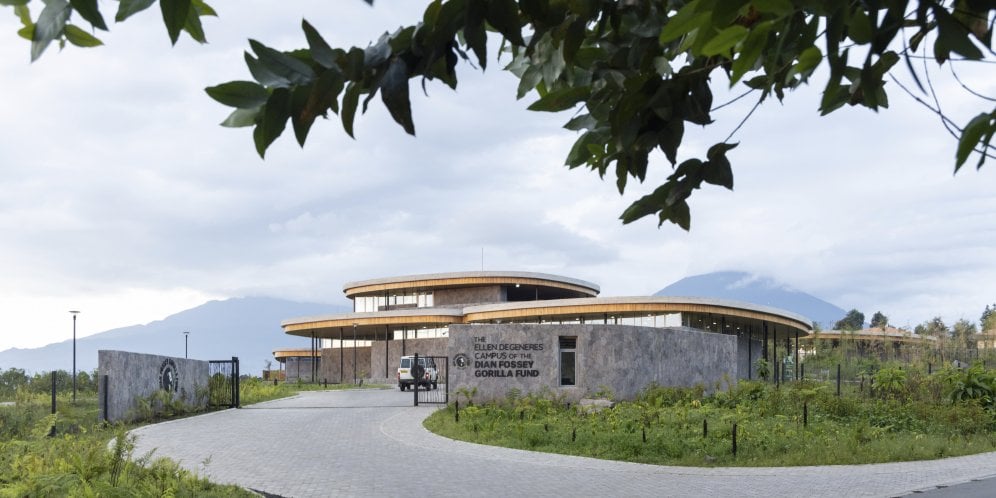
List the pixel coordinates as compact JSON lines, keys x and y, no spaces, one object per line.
{"x":121,"y":196}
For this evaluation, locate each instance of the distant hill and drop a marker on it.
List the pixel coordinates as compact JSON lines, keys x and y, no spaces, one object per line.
{"x":245,"y":327}
{"x":742,"y":286}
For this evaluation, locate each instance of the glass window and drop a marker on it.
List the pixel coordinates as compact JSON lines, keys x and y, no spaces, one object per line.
{"x":568,"y":350}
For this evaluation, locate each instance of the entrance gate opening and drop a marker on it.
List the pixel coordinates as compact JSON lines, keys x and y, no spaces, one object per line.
{"x":223,"y":383}
{"x":425,"y":394}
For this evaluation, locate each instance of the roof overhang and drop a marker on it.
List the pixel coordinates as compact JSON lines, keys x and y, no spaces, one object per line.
{"x":468,"y":279}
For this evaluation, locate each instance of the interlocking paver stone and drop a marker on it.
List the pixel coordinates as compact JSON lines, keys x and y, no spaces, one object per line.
{"x":372,"y":443}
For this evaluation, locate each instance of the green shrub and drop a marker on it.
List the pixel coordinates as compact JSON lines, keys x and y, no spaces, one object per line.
{"x":890,"y":381}
{"x":975,"y":384}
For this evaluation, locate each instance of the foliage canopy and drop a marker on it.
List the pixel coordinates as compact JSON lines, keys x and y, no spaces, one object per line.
{"x":854,"y":320}
{"x":636,"y":72}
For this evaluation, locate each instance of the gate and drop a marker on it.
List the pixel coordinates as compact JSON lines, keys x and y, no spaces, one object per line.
{"x":435,"y":391}
{"x":223,"y":383}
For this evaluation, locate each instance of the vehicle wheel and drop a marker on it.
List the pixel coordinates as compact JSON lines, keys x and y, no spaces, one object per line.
{"x":435,"y":385}
{"x":401,"y":386}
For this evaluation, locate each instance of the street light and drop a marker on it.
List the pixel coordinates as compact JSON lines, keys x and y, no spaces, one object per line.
{"x":185,"y":336}
{"x":74,"y":313}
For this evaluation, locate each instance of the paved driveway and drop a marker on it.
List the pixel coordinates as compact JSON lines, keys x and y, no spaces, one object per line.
{"x":372,"y":443}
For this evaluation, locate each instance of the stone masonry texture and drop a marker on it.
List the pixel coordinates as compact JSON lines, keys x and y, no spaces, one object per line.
{"x":135,"y":375}
{"x":623,"y":359}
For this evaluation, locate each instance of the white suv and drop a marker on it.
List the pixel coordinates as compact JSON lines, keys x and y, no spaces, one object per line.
{"x":425,"y":372}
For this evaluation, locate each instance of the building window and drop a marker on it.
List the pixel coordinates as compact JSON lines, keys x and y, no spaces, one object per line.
{"x":568,"y":360}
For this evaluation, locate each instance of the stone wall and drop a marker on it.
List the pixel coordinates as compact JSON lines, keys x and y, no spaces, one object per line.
{"x":424,"y":347}
{"x":331,"y":361}
{"x":135,"y":375}
{"x":299,"y":368}
{"x":623,"y":359}
{"x":468,"y":295}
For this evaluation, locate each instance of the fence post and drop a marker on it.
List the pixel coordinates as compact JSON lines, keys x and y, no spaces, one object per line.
{"x":104,"y":380}
{"x":930,"y":369}
{"x":838,"y":380}
{"x":235,"y":382}
{"x":413,"y":371}
{"x":734,"y":439}
{"x":805,"y":414}
{"x":51,"y":431}
{"x":705,"y":428}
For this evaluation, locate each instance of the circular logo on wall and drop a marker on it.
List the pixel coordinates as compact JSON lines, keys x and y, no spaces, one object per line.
{"x":461,"y":360}
{"x":169,"y":376}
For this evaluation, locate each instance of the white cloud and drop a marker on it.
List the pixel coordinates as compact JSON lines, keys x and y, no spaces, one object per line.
{"x":120,"y":195}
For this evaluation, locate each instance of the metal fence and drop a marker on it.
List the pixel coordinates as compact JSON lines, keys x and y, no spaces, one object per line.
{"x":223,"y":383}
{"x":431,"y":390}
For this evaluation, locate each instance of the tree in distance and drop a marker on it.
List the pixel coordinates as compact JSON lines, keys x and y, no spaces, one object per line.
{"x":879,"y":320}
{"x":854,"y":320}
{"x":636,"y":72}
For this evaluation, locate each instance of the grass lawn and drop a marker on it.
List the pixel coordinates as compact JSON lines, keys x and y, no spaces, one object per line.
{"x":671,"y":426}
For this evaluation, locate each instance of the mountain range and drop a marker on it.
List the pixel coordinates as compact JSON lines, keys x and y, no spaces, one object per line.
{"x":249,"y":327}
{"x":740,"y":286}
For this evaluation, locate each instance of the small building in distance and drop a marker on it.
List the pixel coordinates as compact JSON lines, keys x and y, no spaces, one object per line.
{"x":297,"y":364}
{"x":881,"y":342}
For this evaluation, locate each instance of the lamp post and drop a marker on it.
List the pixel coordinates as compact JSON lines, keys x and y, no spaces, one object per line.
{"x":74,"y":313}
{"x":186,"y":334}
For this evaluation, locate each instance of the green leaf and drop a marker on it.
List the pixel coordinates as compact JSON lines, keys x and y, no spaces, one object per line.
{"x":952,"y":36}
{"x":24,"y":14}
{"x":263,"y":75}
{"x":474,"y":32}
{"x":808,"y":60}
{"x":88,"y":10}
{"x":645,"y":206}
{"x":27,"y":32}
{"x":679,"y":214}
{"x":240,"y":94}
{"x":982,"y":125}
{"x":302,"y":116}
{"x":275,"y":114}
{"x":717,"y":169}
{"x":175,"y":14}
{"x":241,"y":118}
{"x":320,"y":50}
{"x":203,"y":9}
{"x":283,"y":65}
{"x":50,"y":25}
{"x":560,"y":100}
{"x":193,"y":26}
{"x":81,"y":38}
{"x":750,"y":52}
{"x":325,"y":93}
{"x":860,"y":29}
{"x":683,"y":22}
{"x":573,"y":38}
{"x":128,"y":8}
{"x":504,"y":16}
{"x":394,"y":93}
{"x":725,"y":40}
{"x":13,"y":3}
{"x":777,"y":7}
{"x":350,"y":99}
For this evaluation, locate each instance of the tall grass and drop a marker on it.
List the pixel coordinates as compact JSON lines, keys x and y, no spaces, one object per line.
{"x":911,"y":420}
{"x":80,"y":460}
